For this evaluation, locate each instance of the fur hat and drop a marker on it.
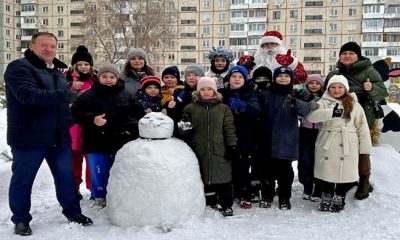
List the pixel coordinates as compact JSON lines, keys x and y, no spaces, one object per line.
{"x":82,"y":54}
{"x":271,"y":37}
{"x":207,"y":82}
{"x":194,"y":69}
{"x":262,"y":72}
{"x":137,"y":52}
{"x":282,"y":69}
{"x":108,"y":67}
{"x":351,"y":46}
{"x":314,"y":77}
{"x":237,"y":68}
{"x":172,"y":70}
{"x":150,"y":80}
{"x":220,"y":52}
{"x":339,"y":79}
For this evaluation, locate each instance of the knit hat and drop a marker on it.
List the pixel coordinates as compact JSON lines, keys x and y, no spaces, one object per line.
{"x":237,"y":68}
{"x":262,"y":72}
{"x":137,"y":52}
{"x":244,"y":59}
{"x":194,"y":69}
{"x":249,"y":65}
{"x":339,"y":79}
{"x":108,"y":67}
{"x":172,"y":70}
{"x":220,"y":52}
{"x":280,"y":70}
{"x":82,"y":54}
{"x":351,"y":46}
{"x":207,"y":82}
{"x":271,"y":37}
{"x":150,"y":80}
{"x":314,"y":77}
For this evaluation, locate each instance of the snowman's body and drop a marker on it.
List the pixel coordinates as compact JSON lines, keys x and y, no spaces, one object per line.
{"x":155,"y":180}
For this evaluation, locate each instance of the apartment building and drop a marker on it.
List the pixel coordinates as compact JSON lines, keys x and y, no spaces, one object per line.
{"x":314,"y":30}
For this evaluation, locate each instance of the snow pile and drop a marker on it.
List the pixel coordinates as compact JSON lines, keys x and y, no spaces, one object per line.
{"x":155,"y":182}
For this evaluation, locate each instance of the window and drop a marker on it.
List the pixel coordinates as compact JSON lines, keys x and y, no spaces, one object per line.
{"x":352,"y":12}
{"x":276,"y":27}
{"x":8,"y":20}
{"x":188,"y":22}
{"x":351,"y":39}
{"x":76,"y":36}
{"x":237,"y":27}
{"x":60,"y":9}
{"x":8,"y":44}
{"x":206,"y":4}
{"x":333,"y":26}
{"x":370,"y":51}
{"x":239,"y":14}
{"x":77,"y":12}
{"x":188,"y":60}
{"x":8,"y":32}
{"x":206,"y":17}
{"x":372,"y":9}
{"x":60,"y":21}
{"x":188,"y":48}
{"x":293,"y":27}
{"x":314,"y":4}
{"x":392,"y":38}
{"x":332,"y":40}
{"x":206,"y":30}
{"x":221,"y":29}
{"x":334,"y":12}
{"x":45,"y":9}
{"x":312,"y":59}
{"x":313,"y":17}
{"x":257,"y":27}
{"x":60,"y":33}
{"x":60,"y":45}
{"x":221,"y":16}
{"x":28,"y":8}
{"x":372,"y":23}
{"x":205,"y":43}
{"x":188,"y":9}
{"x":45,"y":22}
{"x":312,"y":31}
{"x":258,"y":1}
{"x":236,"y":2}
{"x":8,"y":8}
{"x":334,"y":1}
{"x":8,"y":56}
{"x":76,"y":24}
{"x":294,"y":1}
{"x":292,"y":41}
{"x":238,"y":41}
{"x":372,"y":37}
{"x":312,"y":45}
{"x":276,"y":15}
{"x":294,"y":13}
{"x":205,"y":56}
{"x":332,"y":67}
{"x":61,"y":57}
{"x":261,"y":12}
{"x":332,"y":54}
{"x":222,"y":3}
{"x":221,"y":42}
{"x":352,"y":1}
{"x":395,"y":23}
{"x":171,"y":56}
{"x":393,"y":51}
{"x":351,"y":26}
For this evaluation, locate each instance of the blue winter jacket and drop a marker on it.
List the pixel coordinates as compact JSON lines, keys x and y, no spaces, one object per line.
{"x":37,"y":108}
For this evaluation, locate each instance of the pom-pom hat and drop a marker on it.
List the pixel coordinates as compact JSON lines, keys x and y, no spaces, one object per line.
{"x":150,"y":80}
{"x":82,"y":54}
{"x":220,"y":52}
{"x":271,"y":37}
{"x":338,"y":79}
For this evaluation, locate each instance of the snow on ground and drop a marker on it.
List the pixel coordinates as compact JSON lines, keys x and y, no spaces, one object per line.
{"x":377,"y":217}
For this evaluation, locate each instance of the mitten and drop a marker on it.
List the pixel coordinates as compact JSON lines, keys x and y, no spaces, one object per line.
{"x":313,"y":104}
{"x":236,"y":104}
{"x":336,"y":111}
{"x":184,"y":127}
{"x":230,"y":152}
{"x":290,"y":102}
{"x":303,"y":94}
{"x":284,"y":59}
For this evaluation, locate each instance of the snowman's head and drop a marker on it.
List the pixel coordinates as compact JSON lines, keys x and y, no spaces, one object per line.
{"x":156,"y":125}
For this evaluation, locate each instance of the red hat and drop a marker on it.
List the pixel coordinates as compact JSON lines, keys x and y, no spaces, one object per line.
{"x":150,"y":80}
{"x":245,"y":58}
{"x":271,"y":37}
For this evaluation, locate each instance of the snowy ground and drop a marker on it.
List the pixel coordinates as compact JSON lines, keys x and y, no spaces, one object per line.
{"x":377,"y":217}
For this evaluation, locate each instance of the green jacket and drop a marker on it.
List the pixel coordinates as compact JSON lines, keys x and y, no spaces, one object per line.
{"x":360,"y":71}
{"x":212,"y":131}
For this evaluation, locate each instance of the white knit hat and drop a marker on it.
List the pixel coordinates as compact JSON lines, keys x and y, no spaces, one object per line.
{"x":339,"y":79}
{"x":271,"y":37}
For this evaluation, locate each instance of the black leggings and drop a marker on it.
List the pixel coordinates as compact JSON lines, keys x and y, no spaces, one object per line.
{"x":336,"y":188}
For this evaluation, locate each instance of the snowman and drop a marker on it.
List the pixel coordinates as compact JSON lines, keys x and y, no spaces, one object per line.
{"x":155,"y":180}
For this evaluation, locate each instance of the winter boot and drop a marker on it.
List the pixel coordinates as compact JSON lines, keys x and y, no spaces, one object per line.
{"x":338,"y":203}
{"x":265,"y":203}
{"x":243,"y":203}
{"x":316,"y":195}
{"x":22,"y":229}
{"x":81,"y":219}
{"x":326,"y":202}
{"x":227,"y":212}
{"x":364,"y":188}
{"x":284,"y":204}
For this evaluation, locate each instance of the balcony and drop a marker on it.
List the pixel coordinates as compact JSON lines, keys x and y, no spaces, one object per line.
{"x":373,"y":15}
{"x":239,"y":20}
{"x":26,"y":38}
{"x":239,"y":6}
{"x":29,"y":25}
{"x":28,"y":14}
{"x":373,"y":2}
{"x":28,"y":1}
{"x":258,"y":5}
{"x":391,"y":29}
{"x":238,"y":34}
{"x":256,"y":33}
{"x":257,"y":19}
{"x":371,"y":44}
{"x":372,"y":29}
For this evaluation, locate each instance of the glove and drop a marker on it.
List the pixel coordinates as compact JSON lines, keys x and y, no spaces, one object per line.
{"x":284,"y":59}
{"x":184,"y":127}
{"x":230,"y":153}
{"x":70,"y":95}
{"x":302,"y":94}
{"x":290,"y":102}
{"x":336,"y":111}
{"x":236,"y":104}
{"x":313,"y":104}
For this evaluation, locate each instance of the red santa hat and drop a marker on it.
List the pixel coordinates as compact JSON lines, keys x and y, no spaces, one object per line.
{"x":271,"y":37}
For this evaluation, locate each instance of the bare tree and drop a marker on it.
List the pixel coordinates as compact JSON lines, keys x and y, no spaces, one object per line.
{"x":113,"y":27}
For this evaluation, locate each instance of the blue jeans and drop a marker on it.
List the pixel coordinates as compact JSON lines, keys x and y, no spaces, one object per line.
{"x":100,"y":165}
{"x":26,"y":163}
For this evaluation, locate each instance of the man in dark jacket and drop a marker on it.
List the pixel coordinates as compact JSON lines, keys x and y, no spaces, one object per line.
{"x":38,"y":120}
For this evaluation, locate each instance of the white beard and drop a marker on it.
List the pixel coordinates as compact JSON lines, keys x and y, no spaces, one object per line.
{"x":266,"y":58}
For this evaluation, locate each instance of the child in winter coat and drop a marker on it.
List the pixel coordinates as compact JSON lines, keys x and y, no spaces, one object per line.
{"x":106,"y":113}
{"x":280,"y":111}
{"x":343,"y":138}
{"x":239,"y":95}
{"x":172,"y":80}
{"x":220,"y":60}
{"x":213,"y":140}
{"x":307,"y":136}
{"x":183,"y":96}
{"x":149,"y":97}
{"x":80,"y":78}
